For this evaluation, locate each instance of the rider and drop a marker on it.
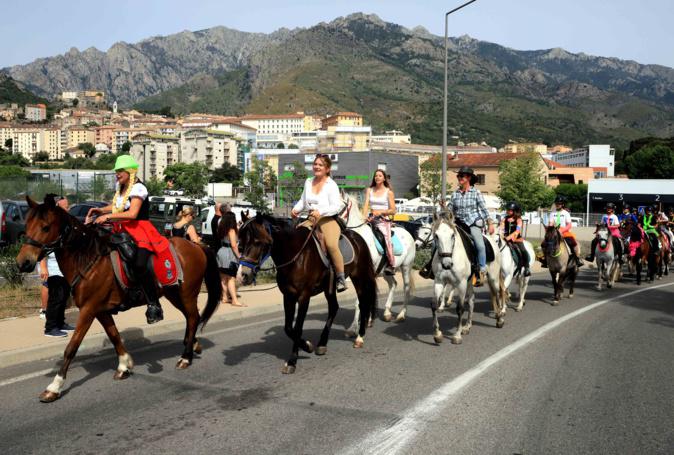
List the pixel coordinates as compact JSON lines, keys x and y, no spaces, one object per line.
{"x":627,"y":215}
{"x":321,"y":198}
{"x":663,"y":223}
{"x":511,"y":229}
{"x":129,"y":212}
{"x":648,"y":222}
{"x":610,"y":219}
{"x":379,"y":207}
{"x":561,"y":219}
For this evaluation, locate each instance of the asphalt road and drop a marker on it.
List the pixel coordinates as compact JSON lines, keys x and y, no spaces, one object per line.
{"x":597,"y":382}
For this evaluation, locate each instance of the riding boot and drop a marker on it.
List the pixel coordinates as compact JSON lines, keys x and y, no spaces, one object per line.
{"x":154,"y":313}
{"x":590,"y":257}
{"x":341,"y":282}
{"x":479,"y":278}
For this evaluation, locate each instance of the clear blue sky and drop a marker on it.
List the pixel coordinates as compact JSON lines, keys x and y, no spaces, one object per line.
{"x":640,"y":30}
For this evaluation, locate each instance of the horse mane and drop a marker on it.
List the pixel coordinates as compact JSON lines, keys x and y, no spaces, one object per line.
{"x":444,"y":216}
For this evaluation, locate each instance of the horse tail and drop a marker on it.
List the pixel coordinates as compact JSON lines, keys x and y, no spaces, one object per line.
{"x":370,"y":293}
{"x":213,"y":286}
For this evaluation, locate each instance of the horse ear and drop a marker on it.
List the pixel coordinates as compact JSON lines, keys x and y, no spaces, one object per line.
{"x":31,"y":203}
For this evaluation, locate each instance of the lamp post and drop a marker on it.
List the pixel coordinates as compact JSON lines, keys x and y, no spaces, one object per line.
{"x":444,"y":109}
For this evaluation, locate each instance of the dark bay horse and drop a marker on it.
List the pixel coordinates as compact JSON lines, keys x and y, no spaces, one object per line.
{"x":560,"y":262}
{"x":638,"y":251}
{"x":82,"y":253}
{"x":300,"y":274}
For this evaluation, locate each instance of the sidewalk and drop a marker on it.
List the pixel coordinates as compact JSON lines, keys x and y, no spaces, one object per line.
{"x":22,"y":339}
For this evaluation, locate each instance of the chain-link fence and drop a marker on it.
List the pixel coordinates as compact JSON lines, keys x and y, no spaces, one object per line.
{"x":77,"y":186}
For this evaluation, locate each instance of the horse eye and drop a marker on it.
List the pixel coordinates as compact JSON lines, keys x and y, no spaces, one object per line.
{"x":45,"y":229}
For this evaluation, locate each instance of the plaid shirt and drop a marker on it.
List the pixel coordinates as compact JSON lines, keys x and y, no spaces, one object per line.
{"x":469,"y":207}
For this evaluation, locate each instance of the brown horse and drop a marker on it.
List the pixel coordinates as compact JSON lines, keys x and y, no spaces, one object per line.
{"x":82,"y":253}
{"x":561,"y":264}
{"x":664,"y":255}
{"x":300,"y":274}
{"x":638,"y":250}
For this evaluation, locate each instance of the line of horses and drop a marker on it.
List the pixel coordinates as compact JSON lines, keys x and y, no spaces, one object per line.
{"x":83,"y":253}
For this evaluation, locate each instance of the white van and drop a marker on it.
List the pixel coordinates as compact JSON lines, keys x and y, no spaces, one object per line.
{"x":208,"y":213}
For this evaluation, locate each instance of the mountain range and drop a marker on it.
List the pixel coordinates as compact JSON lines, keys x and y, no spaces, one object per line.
{"x":391,"y":74}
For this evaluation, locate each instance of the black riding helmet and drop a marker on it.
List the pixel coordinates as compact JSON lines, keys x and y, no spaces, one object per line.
{"x":627,"y":207}
{"x":648,"y":208}
{"x":611,"y":206}
{"x":560,"y":199}
{"x":514,"y":206}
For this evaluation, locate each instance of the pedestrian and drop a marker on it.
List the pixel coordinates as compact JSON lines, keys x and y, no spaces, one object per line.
{"x":378,"y":208}
{"x":228,"y":257}
{"x":183,"y":227}
{"x":58,"y":291}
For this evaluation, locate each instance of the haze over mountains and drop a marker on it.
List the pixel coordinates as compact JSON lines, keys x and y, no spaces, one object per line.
{"x":390,"y":74}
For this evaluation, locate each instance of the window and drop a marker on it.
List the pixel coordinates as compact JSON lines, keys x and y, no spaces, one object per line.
{"x":480,"y":179}
{"x":381,"y":166}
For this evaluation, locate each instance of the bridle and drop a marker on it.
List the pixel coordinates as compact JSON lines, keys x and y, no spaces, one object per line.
{"x":449,"y":254}
{"x":429,"y":238}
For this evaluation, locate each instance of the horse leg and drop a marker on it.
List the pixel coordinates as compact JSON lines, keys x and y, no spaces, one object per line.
{"x":438,"y":295}
{"x":407,"y":291}
{"x":555,"y":285}
{"x":352,"y":331}
{"x":333,"y":307}
{"x":469,"y":299}
{"x":600,"y":270}
{"x":392,"y":284}
{"x":53,"y":390}
{"x":191,"y":312}
{"x":125,"y":361}
{"x":638,"y":271}
{"x":289,"y":310}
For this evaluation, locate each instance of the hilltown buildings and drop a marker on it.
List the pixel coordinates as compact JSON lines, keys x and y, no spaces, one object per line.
{"x":35,"y":112}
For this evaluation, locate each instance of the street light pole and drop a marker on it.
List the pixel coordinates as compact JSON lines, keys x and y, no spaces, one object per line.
{"x":444,"y":109}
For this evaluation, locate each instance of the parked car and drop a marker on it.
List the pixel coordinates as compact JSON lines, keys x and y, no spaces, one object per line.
{"x":14,"y":220}
{"x":164,"y":212}
{"x":207,"y":216}
{"x":80,"y":210}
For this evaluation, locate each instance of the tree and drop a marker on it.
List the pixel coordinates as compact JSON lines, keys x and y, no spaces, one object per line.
{"x":280,"y":145}
{"x":13,"y":171}
{"x":576,"y":196}
{"x":126,"y":147}
{"x":13,"y":159}
{"x":9,"y":143}
{"x":261,"y":180}
{"x":106,"y":161}
{"x":522,"y":181}
{"x":191,"y":178}
{"x":155,"y":186}
{"x":431,"y":178}
{"x":291,"y":183}
{"x":226,"y":173}
{"x":41,"y":156}
{"x":293,"y":146}
{"x":654,"y":161}
{"x":76,"y":102}
{"x":88,"y":148}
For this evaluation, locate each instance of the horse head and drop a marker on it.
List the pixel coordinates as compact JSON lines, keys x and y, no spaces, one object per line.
{"x":445,"y":237}
{"x":351,"y":213}
{"x":424,"y":235}
{"x":552,"y":240}
{"x":255,"y":242}
{"x":46,"y":226}
{"x":603,"y":236}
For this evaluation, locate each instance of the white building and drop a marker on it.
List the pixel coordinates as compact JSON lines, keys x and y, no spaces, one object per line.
{"x":392,"y":137}
{"x":286,"y":124}
{"x":210,"y":147}
{"x":27,"y":142}
{"x":601,"y":157}
{"x":154,"y":152}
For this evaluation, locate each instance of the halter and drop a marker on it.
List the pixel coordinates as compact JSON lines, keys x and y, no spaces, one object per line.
{"x":255,"y":265}
{"x":453,"y":244}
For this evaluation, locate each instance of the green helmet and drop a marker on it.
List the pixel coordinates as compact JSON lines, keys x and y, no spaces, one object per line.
{"x":125,"y":162}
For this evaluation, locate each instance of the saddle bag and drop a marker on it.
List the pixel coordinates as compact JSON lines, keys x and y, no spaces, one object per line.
{"x":124,"y":244}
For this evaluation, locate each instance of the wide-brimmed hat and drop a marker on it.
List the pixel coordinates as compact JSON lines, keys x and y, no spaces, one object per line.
{"x":125,"y":162}
{"x":468,"y":171}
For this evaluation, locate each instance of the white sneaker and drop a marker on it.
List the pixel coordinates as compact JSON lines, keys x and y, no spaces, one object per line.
{"x":43,"y":314}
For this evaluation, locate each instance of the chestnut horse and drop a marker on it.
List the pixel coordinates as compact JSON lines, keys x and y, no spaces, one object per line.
{"x":83,"y":256}
{"x":300,"y":274}
{"x":638,"y":251}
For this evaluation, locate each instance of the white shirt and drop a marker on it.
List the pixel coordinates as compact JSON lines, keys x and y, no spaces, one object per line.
{"x":610,"y":220}
{"x":137,"y":190}
{"x":52,"y":265}
{"x":378,"y":202}
{"x":560,"y":218}
{"x":328,"y":202}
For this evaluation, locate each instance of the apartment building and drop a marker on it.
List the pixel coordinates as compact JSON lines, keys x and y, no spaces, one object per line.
{"x":210,"y":147}
{"x":344,"y":139}
{"x":154,"y":153}
{"x":342,"y":119}
{"x":27,"y":142}
{"x":392,"y":137}
{"x":35,"y":112}
{"x":51,"y":143}
{"x":526,"y":147}
{"x":285,"y":124}
{"x":77,"y":135}
{"x":105,"y":135}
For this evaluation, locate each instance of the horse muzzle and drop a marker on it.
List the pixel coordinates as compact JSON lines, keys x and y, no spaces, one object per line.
{"x":25,"y":265}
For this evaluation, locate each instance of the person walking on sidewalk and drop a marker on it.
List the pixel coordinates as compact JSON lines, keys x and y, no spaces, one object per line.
{"x":228,"y":257}
{"x":184,"y":227}
{"x":378,"y":209}
{"x":58,"y":291}
{"x":321,"y":198}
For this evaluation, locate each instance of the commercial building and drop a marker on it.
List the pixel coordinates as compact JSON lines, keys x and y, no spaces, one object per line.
{"x":35,"y":112}
{"x":154,"y":152}
{"x":658,"y":193}
{"x":595,"y":156}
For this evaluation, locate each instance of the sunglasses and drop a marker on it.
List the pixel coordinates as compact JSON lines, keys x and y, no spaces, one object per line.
{"x":462,"y":176}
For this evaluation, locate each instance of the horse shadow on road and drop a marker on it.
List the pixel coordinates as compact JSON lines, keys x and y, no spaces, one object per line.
{"x":655,"y":300}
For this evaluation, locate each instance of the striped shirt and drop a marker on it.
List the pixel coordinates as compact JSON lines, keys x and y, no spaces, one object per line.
{"x":469,"y":207}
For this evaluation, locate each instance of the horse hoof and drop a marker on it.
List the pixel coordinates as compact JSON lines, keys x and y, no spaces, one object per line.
{"x":350,"y":334}
{"x":182,"y":364}
{"x":321,"y":350}
{"x":48,"y":397}
{"x":456,"y":340}
{"x":387,"y":317}
{"x":121,"y":375}
{"x":465,"y":331}
{"x":400,"y":318}
{"x":609,"y":286}
{"x":438,"y":339}
{"x":571,"y":295}
{"x":518,"y":309}
{"x":308,"y":347}
{"x":500,"y":323}
{"x":197,"y":347}
{"x":288,"y":369}
{"x":358,"y":344}
{"x":555,"y":302}
{"x":370,"y":323}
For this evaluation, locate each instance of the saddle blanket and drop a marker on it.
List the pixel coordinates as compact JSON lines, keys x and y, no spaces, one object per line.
{"x":345,"y":248}
{"x":165,"y":265}
{"x":397,"y":246}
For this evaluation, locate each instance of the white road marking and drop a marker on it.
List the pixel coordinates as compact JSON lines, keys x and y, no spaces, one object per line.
{"x":394,"y":438}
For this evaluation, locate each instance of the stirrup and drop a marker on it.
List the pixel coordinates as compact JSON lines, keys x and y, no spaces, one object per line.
{"x":154,"y":313}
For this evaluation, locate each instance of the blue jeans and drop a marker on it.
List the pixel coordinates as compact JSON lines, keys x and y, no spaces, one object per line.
{"x":476,"y":234}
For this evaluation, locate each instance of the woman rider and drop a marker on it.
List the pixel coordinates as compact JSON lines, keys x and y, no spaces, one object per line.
{"x":378,"y":208}
{"x":561,"y":219}
{"x":610,"y":219}
{"x":129,"y":212}
{"x":511,"y":228}
{"x":648,"y":222}
{"x":321,"y":198}
{"x":470,"y":211}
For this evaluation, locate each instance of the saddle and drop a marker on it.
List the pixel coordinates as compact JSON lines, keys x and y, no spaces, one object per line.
{"x":380,"y":241}
{"x":345,"y":247}
{"x":471,"y":250}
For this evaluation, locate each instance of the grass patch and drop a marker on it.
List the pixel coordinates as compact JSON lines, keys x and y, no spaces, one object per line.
{"x":18,"y":301}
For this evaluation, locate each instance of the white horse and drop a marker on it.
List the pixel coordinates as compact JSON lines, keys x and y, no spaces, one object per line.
{"x":356,"y":222}
{"x":510,"y":270}
{"x":424,"y":240}
{"x":608,"y":265}
{"x":452,"y":270}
